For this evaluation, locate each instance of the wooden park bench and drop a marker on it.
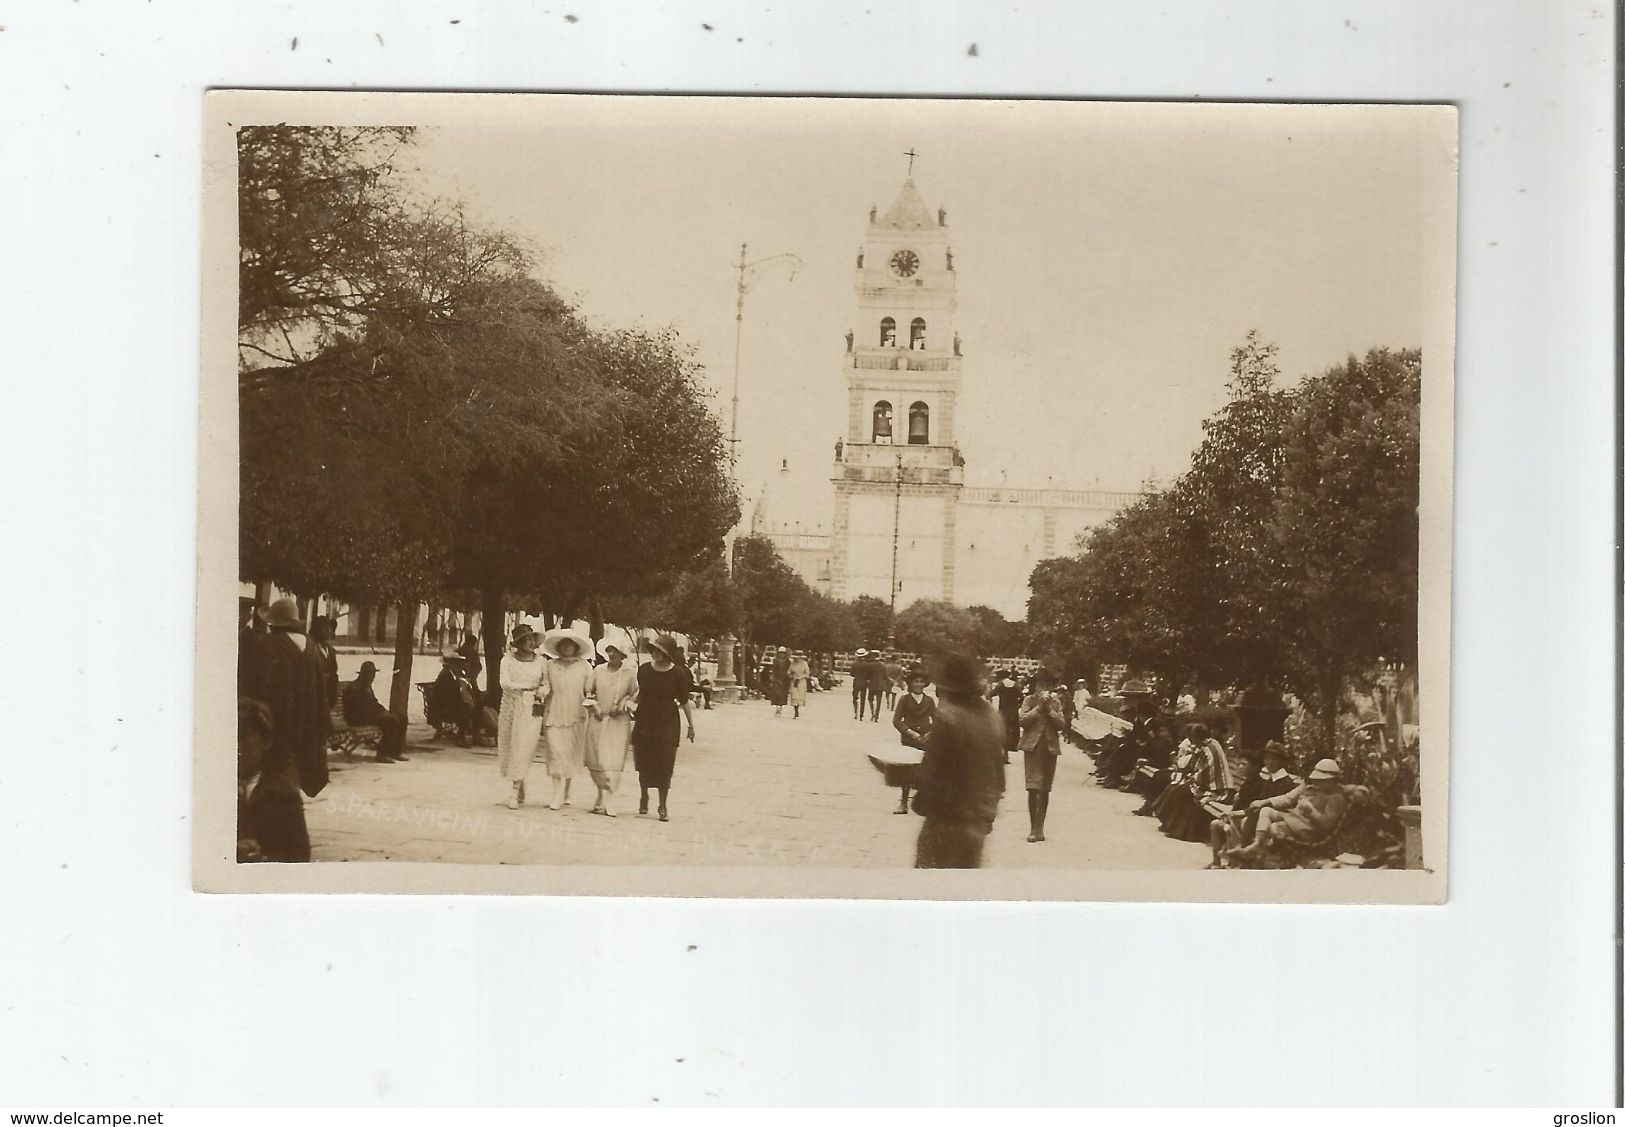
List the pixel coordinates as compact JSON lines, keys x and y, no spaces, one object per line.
{"x":343,"y":738}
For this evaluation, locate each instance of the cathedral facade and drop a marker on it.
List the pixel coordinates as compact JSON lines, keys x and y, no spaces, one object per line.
{"x":904,"y":522}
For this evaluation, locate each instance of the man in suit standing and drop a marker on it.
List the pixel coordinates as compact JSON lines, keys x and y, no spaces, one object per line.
{"x":860,"y":682}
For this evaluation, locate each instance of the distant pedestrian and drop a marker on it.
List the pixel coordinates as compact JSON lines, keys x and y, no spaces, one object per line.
{"x":778,"y":681}
{"x":612,"y":696}
{"x":961,"y":779}
{"x":564,"y":712}
{"x":519,"y":724}
{"x":287,"y":678}
{"x":876,"y":685}
{"x":1042,"y":720}
{"x":894,"y":680}
{"x":860,"y":682}
{"x":361,"y":709}
{"x":1007,"y":696}
{"x":661,"y":694}
{"x":800,"y":676}
{"x":912,"y":718}
{"x":321,"y":637}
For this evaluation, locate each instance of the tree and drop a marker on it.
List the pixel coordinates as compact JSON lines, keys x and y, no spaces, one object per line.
{"x":873,"y":619}
{"x":769,"y":593}
{"x":996,"y":636}
{"x":1223,"y":568}
{"x":316,"y":211}
{"x":935,"y":627}
{"x":1345,"y":518}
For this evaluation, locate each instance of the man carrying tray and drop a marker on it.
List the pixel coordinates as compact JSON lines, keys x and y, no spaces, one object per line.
{"x":912,"y":718}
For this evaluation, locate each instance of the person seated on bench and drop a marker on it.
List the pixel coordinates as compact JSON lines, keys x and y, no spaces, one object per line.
{"x":1236,"y":826}
{"x":1181,"y":762}
{"x":1150,"y":773}
{"x":455,"y":700}
{"x":361,"y":709}
{"x":1182,"y":815}
{"x":1306,"y":815}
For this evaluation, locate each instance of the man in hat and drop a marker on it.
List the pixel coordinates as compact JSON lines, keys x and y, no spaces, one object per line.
{"x":1305,"y":815}
{"x":456,"y":701}
{"x":322,"y":629}
{"x":361,"y":708}
{"x":1239,"y":824}
{"x":961,"y":776}
{"x":287,"y":678}
{"x":860,"y":682}
{"x":877,"y":684}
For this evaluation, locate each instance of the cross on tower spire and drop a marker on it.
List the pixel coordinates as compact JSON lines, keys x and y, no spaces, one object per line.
{"x":911,"y":154}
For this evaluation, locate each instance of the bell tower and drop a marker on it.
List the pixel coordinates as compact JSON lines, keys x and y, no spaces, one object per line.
{"x":897,"y":471}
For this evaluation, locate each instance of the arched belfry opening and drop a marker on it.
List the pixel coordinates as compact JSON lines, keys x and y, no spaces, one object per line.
{"x":916,"y":333}
{"x":919,"y":425}
{"x":882,"y":422}
{"x":888,"y":332}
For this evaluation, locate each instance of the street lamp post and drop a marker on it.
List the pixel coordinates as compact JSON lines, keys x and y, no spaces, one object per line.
{"x":748,"y":272}
{"x":896,"y":514}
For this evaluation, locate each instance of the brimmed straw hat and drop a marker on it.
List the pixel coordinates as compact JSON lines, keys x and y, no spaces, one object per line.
{"x":614,"y":639}
{"x":861,"y":652}
{"x":666,"y":644}
{"x":1326,"y":769}
{"x":520,"y":632}
{"x":551,"y":640}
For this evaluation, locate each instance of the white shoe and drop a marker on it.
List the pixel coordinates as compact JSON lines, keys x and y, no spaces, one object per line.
{"x":513,"y":801}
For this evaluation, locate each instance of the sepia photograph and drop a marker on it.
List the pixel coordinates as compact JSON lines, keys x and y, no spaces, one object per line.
{"x":825,"y":497}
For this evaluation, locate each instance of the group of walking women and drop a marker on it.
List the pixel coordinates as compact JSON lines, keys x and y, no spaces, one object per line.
{"x":556,"y":704}
{"x":787,"y":682}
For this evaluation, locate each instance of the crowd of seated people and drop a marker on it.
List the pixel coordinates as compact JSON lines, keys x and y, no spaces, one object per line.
{"x":1252,"y":807}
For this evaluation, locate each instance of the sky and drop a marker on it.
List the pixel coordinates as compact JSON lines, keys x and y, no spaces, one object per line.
{"x":1109,"y":254}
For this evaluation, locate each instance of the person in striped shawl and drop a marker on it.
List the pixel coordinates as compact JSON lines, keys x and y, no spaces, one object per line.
{"x":1210,"y":778}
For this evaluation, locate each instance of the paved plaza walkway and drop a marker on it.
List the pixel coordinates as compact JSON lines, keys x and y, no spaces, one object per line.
{"x":751,"y":790}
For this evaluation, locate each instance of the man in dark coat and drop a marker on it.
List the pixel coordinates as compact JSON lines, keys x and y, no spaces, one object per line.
{"x":860,"y":682}
{"x":1007,"y":695}
{"x":876,"y":684}
{"x":288,"y":677}
{"x":961,"y":777}
{"x":321,"y":637}
{"x":361,"y":709}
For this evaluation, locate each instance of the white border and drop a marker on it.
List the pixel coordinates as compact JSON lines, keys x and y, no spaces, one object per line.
{"x":128,"y":988}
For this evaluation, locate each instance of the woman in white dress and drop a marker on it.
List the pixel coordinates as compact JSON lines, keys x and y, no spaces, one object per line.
{"x":565,"y":714}
{"x":612,"y":695}
{"x":519,"y":724}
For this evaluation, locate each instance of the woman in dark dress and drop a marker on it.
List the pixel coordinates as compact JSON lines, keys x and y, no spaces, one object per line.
{"x":662,"y":691}
{"x":778,"y":686}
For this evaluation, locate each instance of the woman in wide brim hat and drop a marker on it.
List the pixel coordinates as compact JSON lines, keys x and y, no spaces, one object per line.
{"x":565,"y":716}
{"x":612,"y":693}
{"x":560,"y":634}
{"x":662,"y":692}
{"x":519,"y":723}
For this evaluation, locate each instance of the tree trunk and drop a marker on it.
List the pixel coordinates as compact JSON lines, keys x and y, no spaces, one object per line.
{"x":400,"y":687}
{"x":493,"y":630}
{"x":1330,"y":693}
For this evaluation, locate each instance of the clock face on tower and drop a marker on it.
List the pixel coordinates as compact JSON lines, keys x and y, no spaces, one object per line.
{"x":904,"y":263}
